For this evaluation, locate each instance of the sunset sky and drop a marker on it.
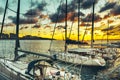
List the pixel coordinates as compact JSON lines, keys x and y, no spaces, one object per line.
{"x":39,"y":17}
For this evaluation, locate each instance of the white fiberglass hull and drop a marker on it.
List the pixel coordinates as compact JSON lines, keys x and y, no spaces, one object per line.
{"x":49,"y":71}
{"x":15,"y":68}
{"x":81,"y":60}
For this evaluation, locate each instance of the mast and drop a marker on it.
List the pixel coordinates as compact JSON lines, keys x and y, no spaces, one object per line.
{"x":107,"y":34}
{"x":17,"y":31}
{"x":92,"y":31}
{"x":3,"y":18}
{"x":78,"y":20}
{"x":66,"y":28}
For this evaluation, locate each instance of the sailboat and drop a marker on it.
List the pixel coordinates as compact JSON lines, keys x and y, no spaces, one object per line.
{"x":82,"y":56}
{"x":69,"y":41}
{"x":117,"y":44}
{"x":38,"y":69}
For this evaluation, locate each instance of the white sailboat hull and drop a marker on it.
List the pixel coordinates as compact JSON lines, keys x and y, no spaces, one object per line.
{"x":19,"y":67}
{"x":81,"y":60}
{"x":15,"y":68}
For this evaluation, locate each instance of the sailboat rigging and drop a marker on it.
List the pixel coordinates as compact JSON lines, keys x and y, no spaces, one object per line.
{"x":83,"y":56}
{"x":78,"y":42}
{"x":78,"y":21}
{"x":17,"y":45}
{"x":92,"y":30}
{"x":66,"y":27}
{"x":3,"y":19}
{"x":54,"y":28}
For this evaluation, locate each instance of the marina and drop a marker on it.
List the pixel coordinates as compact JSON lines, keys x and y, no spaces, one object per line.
{"x":38,"y":42}
{"x":85,"y":71}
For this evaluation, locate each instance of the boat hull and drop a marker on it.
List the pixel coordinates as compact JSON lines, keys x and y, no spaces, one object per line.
{"x":81,"y":60}
{"x":17,"y":71}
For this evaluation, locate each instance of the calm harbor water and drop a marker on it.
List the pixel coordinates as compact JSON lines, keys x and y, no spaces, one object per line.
{"x":7,"y":50}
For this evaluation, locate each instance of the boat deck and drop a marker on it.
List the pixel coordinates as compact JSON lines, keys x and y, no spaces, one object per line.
{"x":8,"y":75}
{"x":3,"y":76}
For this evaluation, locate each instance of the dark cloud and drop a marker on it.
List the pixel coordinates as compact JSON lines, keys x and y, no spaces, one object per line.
{"x":23,"y":27}
{"x":77,"y":1}
{"x":35,"y":12}
{"x":85,"y":24}
{"x":47,"y":26}
{"x":107,"y":29}
{"x":10,"y":24}
{"x":26,"y":27}
{"x":41,"y":6}
{"x":97,"y":18}
{"x":88,"y":3}
{"x":28,"y":21}
{"x":110,"y":21}
{"x":61,"y":17}
{"x":24,"y":21}
{"x":1,"y":10}
{"x":38,"y":5}
{"x":71,"y":8}
{"x":106,"y":16}
{"x":60,"y":26}
{"x":107,"y":6}
{"x":32,"y":13}
{"x":75,"y":15}
{"x":36,"y":26}
{"x":115,"y":10}
{"x":88,"y":18}
{"x":57,"y":18}
{"x":12,"y":18}
{"x":33,"y":3}
{"x":43,"y":16}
